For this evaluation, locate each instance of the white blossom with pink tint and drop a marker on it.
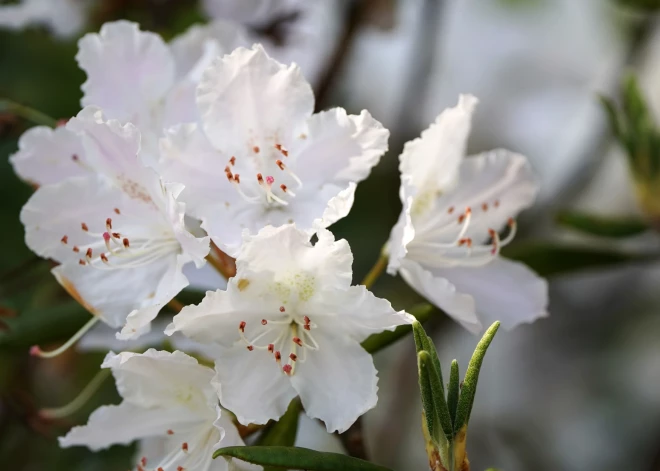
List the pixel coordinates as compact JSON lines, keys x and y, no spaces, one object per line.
{"x":169,"y":405}
{"x":447,"y":241}
{"x":259,"y":156}
{"x":290,"y":324}
{"x":118,"y":233}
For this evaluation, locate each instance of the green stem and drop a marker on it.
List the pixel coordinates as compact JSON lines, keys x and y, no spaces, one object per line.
{"x":79,"y":401}
{"x":37,"y":117}
{"x":376,"y":270}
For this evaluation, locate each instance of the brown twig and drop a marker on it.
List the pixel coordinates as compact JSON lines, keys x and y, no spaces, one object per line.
{"x":353,"y":440}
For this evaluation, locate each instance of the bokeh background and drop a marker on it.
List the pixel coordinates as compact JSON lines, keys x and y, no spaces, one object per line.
{"x":579,"y":390}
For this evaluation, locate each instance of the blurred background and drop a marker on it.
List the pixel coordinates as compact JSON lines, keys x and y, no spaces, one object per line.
{"x":579,"y":390}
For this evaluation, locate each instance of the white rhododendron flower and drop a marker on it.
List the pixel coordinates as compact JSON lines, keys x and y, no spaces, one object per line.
{"x":259,"y":156}
{"x":117,"y":233}
{"x":446,"y":243}
{"x":170,"y":405}
{"x":289,"y":324}
{"x":64,"y":18}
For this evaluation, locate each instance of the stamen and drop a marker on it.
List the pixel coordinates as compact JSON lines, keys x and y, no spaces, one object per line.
{"x":84,"y":227}
{"x":108,"y":224}
{"x":264,"y":322}
{"x":297,"y":341}
{"x":104,"y":259}
{"x":117,"y":211}
{"x":143,"y":461}
{"x":271,"y":348}
{"x":232,"y":161}
{"x":255,"y":149}
{"x":278,"y":356}
{"x":88,"y":254}
{"x":65,"y":240}
{"x":282,"y":309}
{"x":184,"y":447}
{"x":287,"y":369}
{"x":266,"y":185}
{"x":293,"y":356}
{"x":126,"y":243}
{"x":75,"y":249}
{"x":36,"y":351}
{"x":80,"y":400}
{"x":283,"y":167}
{"x":170,"y":432}
{"x":250,"y":347}
{"x":241,"y":326}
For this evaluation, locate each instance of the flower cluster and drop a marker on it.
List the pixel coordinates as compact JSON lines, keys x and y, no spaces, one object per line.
{"x":200,"y":144}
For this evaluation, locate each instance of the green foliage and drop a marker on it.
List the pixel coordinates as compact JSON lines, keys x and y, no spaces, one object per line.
{"x":602,"y":226}
{"x":453,"y":390}
{"x":283,"y":432}
{"x":297,"y":458}
{"x":641,"y":4}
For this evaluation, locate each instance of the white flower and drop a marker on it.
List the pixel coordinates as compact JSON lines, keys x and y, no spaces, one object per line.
{"x":446,"y":242}
{"x":259,"y":156}
{"x":169,"y":404}
{"x":64,"y":18}
{"x":290,"y":323}
{"x":118,"y":233}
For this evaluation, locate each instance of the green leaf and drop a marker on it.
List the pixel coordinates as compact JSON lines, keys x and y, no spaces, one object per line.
{"x":424,"y":343}
{"x":435,"y":392}
{"x":602,"y":226}
{"x":283,"y":432}
{"x":453,"y":390}
{"x":376,"y":342}
{"x":469,"y":389}
{"x":42,"y":325}
{"x":431,"y":418}
{"x":549,"y":259}
{"x":297,"y":458}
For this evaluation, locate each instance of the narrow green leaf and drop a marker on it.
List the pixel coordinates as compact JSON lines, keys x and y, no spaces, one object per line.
{"x":612,"y":115}
{"x":297,"y":458}
{"x":437,"y":394}
{"x":548,"y":259}
{"x":602,"y":226}
{"x":283,"y":432}
{"x":469,"y":389}
{"x":424,"y":342}
{"x":376,"y":342}
{"x":35,"y":116}
{"x":453,"y":390}
{"x":426,"y":393}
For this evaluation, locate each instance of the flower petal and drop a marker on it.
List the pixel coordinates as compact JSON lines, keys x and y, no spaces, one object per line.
{"x":432,"y":160}
{"x":122,"y":424}
{"x":503,"y":290}
{"x":337,"y":208}
{"x":403,"y":231}
{"x":163,"y":379}
{"x":128,"y":70}
{"x":247,"y":99}
{"x":47,"y":155}
{"x":338,"y":382}
{"x":252,"y":385}
{"x":439,"y":291}
{"x":339,"y":147}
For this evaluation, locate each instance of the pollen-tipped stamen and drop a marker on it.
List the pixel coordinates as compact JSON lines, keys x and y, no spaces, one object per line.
{"x":37,"y":352}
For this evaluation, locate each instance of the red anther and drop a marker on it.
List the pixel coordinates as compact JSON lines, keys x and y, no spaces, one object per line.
{"x":256,"y":149}
{"x":283,"y":187}
{"x":469,"y":242}
{"x":250,"y":348}
{"x":179,"y":468}
{"x":35,"y":351}
{"x":241,"y":326}
{"x":232,"y":161}
{"x":237,"y":178}
{"x":468,"y":210}
{"x":170,"y":432}
{"x":116,"y":235}
{"x":143,"y":461}
{"x":126,"y":243}
{"x":230,"y":177}
{"x":450,"y":210}
{"x":106,"y":236}
{"x":75,"y":249}
{"x":307,"y":327}
{"x":61,"y":122}
{"x":104,"y":258}
{"x":293,"y":356}
{"x":282,"y":309}
{"x":260,"y":178}
{"x":496,"y":203}
{"x":160,"y":469}
{"x":278,"y":146}
{"x":491,"y":232}
{"x":278,"y":356}
{"x":264,"y":322}
{"x":297,"y":341}
{"x":484,"y":206}
{"x":108,"y":223}
{"x":280,"y":164}
{"x":82,"y":262}
{"x":270,"y":180}
{"x":461,"y":218}
{"x":117,"y":211}
{"x":462,"y":242}
{"x":88,"y":254}
{"x":271,"y":347}
{"x":227,"y":169}
{"x":184,"y":447}
{"x":64,"y":239}
{"x":84,"y":227}
{"x":287,"y":369}
{"x":140,"y":468}
{"x":285,"y":152}
{"x":511,"y":222}
{"x":74,"y":157}
{"x":306,"y":320}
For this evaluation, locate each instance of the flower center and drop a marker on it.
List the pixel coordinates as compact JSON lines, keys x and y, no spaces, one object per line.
{"x":292,"y":334}
{"x":275,"y":187}
{"x":462,"y":250}
{"x":111,"y":250}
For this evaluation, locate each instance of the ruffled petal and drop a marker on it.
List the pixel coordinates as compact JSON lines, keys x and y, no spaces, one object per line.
{"x":128,"y":70}
{"x":503,"y":290}
{"x":338,"y":382}
{"x":248,"y":100}
{"x":339,"y":147}
{"x":252,"y":385}
{"x":442,"y":293}
{"x":403,"y":231}
{"x":47,"y":155}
